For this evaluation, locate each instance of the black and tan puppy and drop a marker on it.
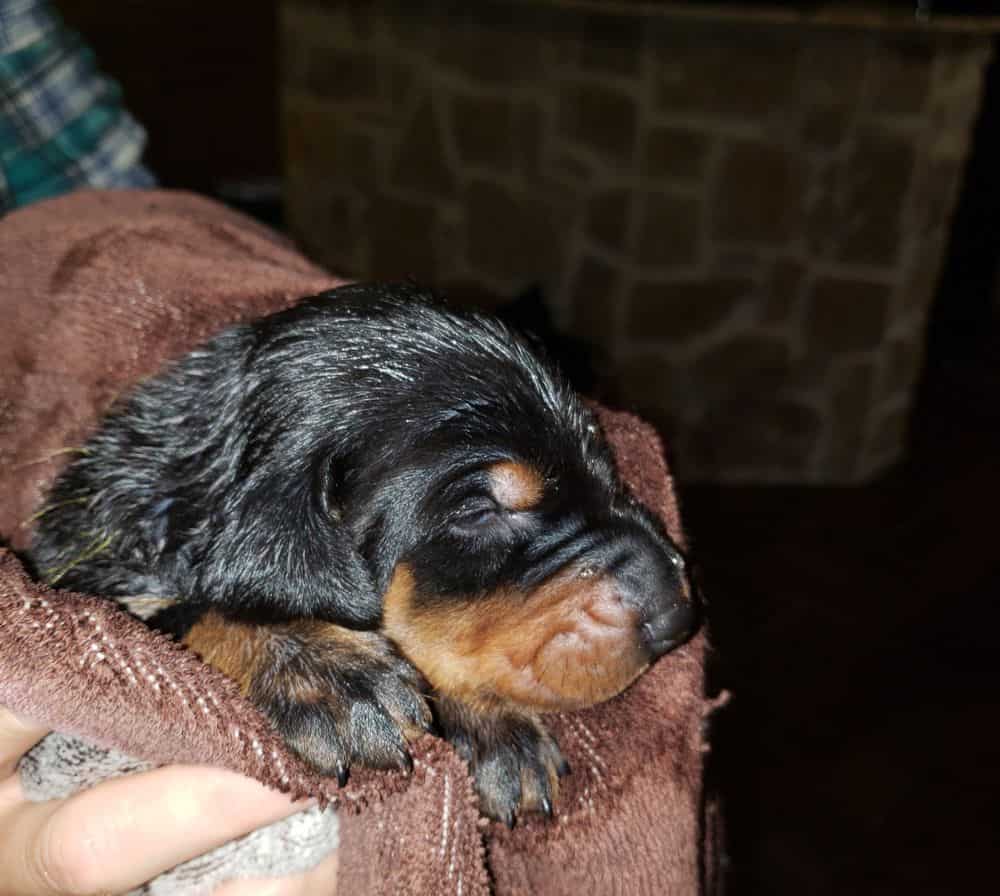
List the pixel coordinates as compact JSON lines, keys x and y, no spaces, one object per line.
{"x":368,"y":504}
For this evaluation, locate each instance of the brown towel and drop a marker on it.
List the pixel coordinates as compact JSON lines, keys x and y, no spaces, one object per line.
{"x":97,"y":290}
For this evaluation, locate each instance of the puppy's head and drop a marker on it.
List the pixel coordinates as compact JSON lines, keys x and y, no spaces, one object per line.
{"x":478,"y":491}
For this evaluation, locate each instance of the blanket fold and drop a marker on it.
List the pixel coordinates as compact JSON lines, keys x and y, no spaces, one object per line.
{"x":100,"y":289}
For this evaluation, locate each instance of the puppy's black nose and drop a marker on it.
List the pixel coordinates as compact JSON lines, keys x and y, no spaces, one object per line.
{"x":669,"y":628}
{"x":657,"y":583}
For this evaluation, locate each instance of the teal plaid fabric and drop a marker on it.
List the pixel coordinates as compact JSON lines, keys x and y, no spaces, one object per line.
{"x":62,"y":123}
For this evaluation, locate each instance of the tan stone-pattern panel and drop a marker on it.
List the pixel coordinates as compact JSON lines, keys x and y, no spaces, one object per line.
{"x":748,"y":220}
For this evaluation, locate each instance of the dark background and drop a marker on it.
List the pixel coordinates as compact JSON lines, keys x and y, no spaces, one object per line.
{"x":854,"y":626}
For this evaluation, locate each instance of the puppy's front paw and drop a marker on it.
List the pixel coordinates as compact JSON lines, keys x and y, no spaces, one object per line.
{"x":338,"y":697}
{"x":515,"y":762}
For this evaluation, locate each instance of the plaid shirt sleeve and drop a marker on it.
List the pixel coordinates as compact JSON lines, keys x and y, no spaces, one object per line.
{"x":62,"y":123}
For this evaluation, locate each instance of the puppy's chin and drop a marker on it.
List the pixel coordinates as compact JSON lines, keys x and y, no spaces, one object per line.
{"x":570,"y":643}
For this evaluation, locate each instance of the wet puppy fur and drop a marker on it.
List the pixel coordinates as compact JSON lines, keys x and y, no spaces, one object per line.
{"x":378,"y":516}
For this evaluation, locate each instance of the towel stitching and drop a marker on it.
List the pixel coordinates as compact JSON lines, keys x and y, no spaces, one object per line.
{"x":445,"y":814}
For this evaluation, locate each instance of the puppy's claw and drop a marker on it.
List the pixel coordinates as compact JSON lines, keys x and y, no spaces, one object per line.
{"x":343,"y":773}
{"x":406,"y":762}
{"x":416,"y":718}
{"x":546,"y":807}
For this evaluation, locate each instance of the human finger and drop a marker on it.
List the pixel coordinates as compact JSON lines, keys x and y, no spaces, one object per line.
{"x":123,"y":832}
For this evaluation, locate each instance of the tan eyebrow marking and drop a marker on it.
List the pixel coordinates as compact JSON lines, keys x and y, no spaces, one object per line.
{"x":515,"y":485}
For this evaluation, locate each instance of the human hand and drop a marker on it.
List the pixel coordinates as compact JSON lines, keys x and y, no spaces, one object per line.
{"x":123,"y":832}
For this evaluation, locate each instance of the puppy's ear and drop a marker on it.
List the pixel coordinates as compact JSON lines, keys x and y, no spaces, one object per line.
{"x":279,"y":551}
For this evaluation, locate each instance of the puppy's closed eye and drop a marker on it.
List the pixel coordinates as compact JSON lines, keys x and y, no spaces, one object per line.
{"x":476,"y":514}
{"x":507,"y":489}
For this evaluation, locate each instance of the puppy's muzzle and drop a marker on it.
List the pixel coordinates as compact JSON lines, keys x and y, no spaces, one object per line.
{"x":579,"y":637}
{"x":652,"y":579}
